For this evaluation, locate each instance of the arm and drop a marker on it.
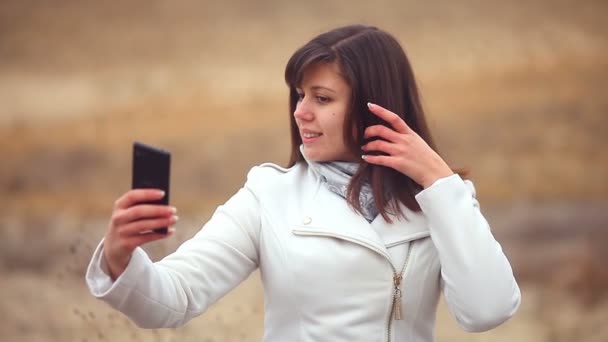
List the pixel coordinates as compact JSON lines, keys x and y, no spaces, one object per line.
{"x":476,"y":276}
{"x":477,"y":279}
{"x":184,"y":284}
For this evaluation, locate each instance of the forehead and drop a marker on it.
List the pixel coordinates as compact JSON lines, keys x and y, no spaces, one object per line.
{"x":324,"y":75}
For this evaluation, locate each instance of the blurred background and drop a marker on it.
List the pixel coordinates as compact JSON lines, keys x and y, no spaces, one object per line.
{"x":515,"y":91}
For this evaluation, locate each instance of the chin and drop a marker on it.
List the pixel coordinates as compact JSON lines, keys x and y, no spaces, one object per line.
{"x":315,"y":155}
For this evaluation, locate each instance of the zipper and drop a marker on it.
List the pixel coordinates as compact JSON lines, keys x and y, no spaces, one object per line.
{"x":395,"y":311}
{"x":397,"y":277}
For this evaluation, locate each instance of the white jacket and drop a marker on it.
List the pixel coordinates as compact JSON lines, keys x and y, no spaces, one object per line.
{"x":328,"y":274}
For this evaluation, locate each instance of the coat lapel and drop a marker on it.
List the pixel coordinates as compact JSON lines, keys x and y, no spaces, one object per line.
{"x":402,"y":230}
{"x":327,"y":214}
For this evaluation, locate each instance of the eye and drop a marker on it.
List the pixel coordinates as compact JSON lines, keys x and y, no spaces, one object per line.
{"x":323,"y":99}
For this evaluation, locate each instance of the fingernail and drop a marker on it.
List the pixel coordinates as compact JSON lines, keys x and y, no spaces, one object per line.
{"x":369,"y":105}
{"x":363,"y":156}
{"x":161,"y":192}
{"x":175,"y":218}
{"x":173,"y":210}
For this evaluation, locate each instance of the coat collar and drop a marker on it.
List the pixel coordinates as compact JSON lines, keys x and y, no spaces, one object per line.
{"x":327,"y":214}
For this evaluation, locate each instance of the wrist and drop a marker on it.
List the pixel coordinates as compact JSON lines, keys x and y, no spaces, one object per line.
{"x":115,"y":266}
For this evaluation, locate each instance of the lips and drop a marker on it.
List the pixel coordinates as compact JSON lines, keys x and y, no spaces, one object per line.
{"x":309,"y":136}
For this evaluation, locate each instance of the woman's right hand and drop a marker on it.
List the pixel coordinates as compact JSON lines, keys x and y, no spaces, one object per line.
{"x":131,"y":226}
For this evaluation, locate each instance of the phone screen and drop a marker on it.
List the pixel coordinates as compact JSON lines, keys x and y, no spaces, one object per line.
{"x":151,"y":170}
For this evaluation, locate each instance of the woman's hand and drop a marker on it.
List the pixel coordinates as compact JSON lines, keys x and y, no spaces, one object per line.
{"x":131,"y":225}
{"x":406,"y":151}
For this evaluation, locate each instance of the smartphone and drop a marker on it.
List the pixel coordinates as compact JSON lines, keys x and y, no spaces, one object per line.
{"x":151,"y":170}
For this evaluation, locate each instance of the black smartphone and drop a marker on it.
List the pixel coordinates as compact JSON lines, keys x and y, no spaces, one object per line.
{"x":151,"y":170}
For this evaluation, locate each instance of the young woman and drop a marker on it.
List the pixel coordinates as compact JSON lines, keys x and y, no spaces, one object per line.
{"x":355,"y":240}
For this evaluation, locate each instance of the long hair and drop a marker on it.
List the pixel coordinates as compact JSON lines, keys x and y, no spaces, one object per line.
{"x":375,"y":66}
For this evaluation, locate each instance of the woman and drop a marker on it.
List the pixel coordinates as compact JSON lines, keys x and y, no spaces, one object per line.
{"x":355,"y":240}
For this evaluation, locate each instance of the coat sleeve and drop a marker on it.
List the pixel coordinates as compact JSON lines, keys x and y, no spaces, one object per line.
{"x":184,"y":284}
{"x":477,"y":279}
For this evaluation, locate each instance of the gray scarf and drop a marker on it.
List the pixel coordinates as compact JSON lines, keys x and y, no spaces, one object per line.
{"x":336,"y":176}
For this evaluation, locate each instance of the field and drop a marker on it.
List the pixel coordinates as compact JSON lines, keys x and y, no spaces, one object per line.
{"x":514,"y":91}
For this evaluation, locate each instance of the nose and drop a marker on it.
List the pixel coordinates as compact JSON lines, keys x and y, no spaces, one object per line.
{"x":303,"y":112}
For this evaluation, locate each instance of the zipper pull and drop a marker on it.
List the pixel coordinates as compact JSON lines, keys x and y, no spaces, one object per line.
{"x":397,"y":308}
{"x":397,"y":301}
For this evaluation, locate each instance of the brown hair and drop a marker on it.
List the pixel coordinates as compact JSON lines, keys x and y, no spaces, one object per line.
{"x":374,"y":65}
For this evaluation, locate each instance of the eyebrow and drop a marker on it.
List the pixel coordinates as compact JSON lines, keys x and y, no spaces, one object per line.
{"x":321,"y":87}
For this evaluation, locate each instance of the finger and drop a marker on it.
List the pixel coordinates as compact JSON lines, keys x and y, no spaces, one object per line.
{"x":382,"y":132}
{"x":146,"y":225}
{"x":135,"y":196}
{"x":140,"y":239}
{"x":381,"y":146}
{"x":142,"y":211}
{"x":388,"y":161}
{"x":393,"y":119}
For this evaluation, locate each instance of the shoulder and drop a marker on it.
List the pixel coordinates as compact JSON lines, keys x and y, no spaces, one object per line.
{"x":470,"y":186}
{"x":272,"y":177}
{"x":270,"y":171}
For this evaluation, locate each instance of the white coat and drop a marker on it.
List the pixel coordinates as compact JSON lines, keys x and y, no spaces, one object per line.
{"x":328,"y":274}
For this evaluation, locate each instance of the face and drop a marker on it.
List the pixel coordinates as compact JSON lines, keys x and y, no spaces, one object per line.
{"x":320,"y":113}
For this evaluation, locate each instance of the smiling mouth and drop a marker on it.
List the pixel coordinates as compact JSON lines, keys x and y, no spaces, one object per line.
{"x":308,"y":135}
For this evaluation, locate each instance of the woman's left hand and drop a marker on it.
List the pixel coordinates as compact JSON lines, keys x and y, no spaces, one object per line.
{"x":406,"y":151}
